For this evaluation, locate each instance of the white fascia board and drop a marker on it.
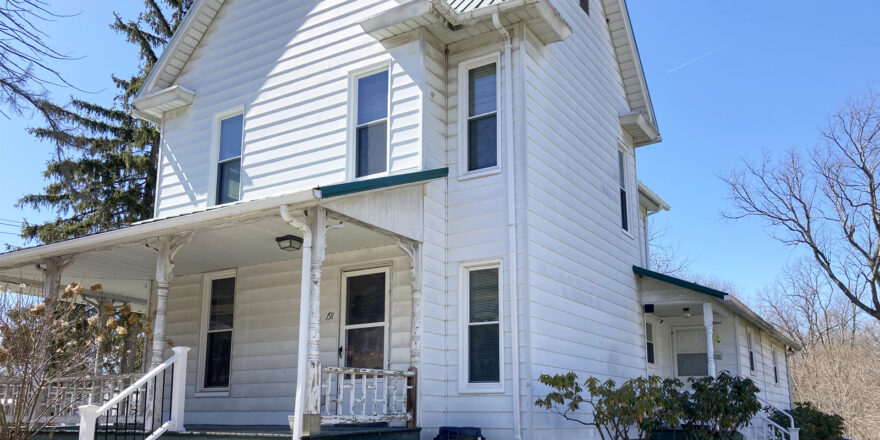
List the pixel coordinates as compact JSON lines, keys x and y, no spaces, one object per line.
{"x":642,"y":130}
{"x":151,"y":107}
{"x":154,"y":228}
{"x":407,"y":11}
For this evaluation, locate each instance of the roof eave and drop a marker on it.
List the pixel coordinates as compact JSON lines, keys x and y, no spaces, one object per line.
{"x":640,"y":128}
{"x":651,"y":197}
{"x":152,"y":107}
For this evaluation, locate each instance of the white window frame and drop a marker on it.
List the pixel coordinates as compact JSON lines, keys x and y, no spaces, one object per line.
{"x":627,"y":186}
{"x":386,"y":325}
{"x":675,"y":351}
{"x":215,"y":152}
{"x":751,"y":359}
{"x":207,"y":279}
{"x":351,"y":162}
{"x":463,"y":68}
{"x":652,"y":341}
{"x":464,"y":384}
{"x":775,"y":366}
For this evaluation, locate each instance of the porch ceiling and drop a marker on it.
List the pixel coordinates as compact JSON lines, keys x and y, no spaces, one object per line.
{"x":125,"y":270}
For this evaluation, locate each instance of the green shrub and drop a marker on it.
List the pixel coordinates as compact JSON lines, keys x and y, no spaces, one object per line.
{"x":813,"y":423}
{"x":719,"y":406}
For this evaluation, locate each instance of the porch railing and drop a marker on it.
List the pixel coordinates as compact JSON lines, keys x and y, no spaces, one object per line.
{"x":147,"y":408}
{"x":762,"y":427}
{"x":360,"y":395}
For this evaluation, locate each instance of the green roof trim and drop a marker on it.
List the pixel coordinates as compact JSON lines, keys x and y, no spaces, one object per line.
{"x":679,"y":282}
{"x":342,"y":189}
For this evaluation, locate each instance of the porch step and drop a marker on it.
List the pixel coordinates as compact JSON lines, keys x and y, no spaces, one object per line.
{"x":365,"y":433}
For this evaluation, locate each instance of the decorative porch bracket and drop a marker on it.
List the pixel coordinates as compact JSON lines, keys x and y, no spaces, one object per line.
{"x":166,"y":248}
{"x":415,"y":354}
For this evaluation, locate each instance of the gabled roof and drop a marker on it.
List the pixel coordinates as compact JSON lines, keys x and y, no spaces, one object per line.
{"x":202,"y":14}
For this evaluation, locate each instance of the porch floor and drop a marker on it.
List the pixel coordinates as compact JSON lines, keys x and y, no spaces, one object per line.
{"x":262,"y":432}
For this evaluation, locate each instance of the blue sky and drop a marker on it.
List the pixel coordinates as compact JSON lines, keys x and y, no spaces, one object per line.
{"x":728,"y":80}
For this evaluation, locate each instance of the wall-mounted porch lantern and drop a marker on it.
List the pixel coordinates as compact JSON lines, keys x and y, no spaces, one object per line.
{"x":289,"y":243}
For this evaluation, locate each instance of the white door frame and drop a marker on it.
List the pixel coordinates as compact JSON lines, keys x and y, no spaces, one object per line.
{"x":386,"y":324}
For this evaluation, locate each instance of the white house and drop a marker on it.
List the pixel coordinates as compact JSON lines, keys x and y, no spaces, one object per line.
{"x":461,"y":178}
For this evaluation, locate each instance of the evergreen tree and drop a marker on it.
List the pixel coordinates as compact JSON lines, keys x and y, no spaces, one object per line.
{"x":103,"y":173}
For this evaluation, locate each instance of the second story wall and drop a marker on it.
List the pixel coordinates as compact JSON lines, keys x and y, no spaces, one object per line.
{"x":289,"y":68}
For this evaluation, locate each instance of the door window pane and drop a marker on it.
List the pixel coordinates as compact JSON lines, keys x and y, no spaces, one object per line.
{"x":222,"y":302}
{"x":365,"y":347}
{"x":230,"y":137}
{"x":484,"y":365}
{"x":366,"y":299}
{"x":217,"y":358}
{"x":372,"y":150}
{"x":484,"y":295}
{"x":693,"y":364}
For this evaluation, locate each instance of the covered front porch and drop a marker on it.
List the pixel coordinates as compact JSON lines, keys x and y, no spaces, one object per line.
{"x":300,"y":310}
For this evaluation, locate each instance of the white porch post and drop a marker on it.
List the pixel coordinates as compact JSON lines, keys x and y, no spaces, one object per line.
{"x":710,"y":338}
{"x":415,"y":354}
{"x":166,"y":248}
{"x":52,"y":274}
{"x":312,"y":410}
{"x":178,"y":387}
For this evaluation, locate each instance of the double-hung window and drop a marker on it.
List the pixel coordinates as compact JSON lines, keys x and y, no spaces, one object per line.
{"x":649,"y":339}
{"x":751,"y":352}
{"x":482,"y":332}
{"x":217,"y":315}
{"x":775,"y":367}
{"x":229,"y":161}
{"x":621,"y":173}
{"x":371,"y":130}
{"x":479,"y":101}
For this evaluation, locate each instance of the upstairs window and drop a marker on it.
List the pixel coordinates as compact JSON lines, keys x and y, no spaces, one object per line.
{"x":621,"y":173}
{"x":751,"y":352}
{"x":371,"y":131}
{"x":229,"y":161}
{"x":483,"y":325}
{"x":649,"y":338}
{"x":482,"y":117}
{"x":775,"y":368}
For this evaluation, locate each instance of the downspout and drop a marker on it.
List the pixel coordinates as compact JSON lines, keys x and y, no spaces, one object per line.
{"x":511,"y":221}
{"x":301,"y":361}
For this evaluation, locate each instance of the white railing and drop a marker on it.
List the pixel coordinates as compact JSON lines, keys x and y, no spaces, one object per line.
{"x":360,"y":395}
{"x":762,"y":427}
{"x":142,"y":401}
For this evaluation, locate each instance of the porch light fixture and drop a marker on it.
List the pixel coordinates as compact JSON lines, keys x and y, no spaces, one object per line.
{"x":686,"y":312}
{"x":289,"y":243}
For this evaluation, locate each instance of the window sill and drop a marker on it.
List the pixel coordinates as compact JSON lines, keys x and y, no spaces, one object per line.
{"x":628,"y":233}
{"x":489,"y":388}
{"x":476,"y":174}
{"x":219,"y":393}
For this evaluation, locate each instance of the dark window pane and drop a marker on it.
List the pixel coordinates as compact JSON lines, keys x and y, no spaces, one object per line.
{"x":372,"y":149}
{"x":230,"y":137}
{"x":693,"y":364}
{"x":366,"y":299}
{"x":650,"y":352}
{"x":621,"y":170}
{"x":482,"y":142}
{"x":624,"y":218}
{"x":217,"y":357}
{"x":751,"y":360}
{"x":483,"y":354}
{"x":372,"y":97}
{"x":222,"y":302}
{"x":365,"y":347}
{"x":228,"y":181}
{"x":481,"y":90}
{"x":483,"y":295}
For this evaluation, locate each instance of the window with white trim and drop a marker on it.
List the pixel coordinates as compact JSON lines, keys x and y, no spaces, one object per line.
{"x":482,"y":332}
{"x":649,"y":340}
{"x":371,"y":124}
{"x":482,"y":117}
{"x":217,"y":317}
{"x":365,"y":323}
{"x":775,"y":367}
{"x":229,"y":160}
{"x":624,"y":204}
{"x":751,"y":352}
{"x":691,"y":354}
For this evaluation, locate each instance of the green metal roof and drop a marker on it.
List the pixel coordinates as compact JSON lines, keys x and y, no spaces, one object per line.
{"x":341,"y":189}
{"x":679,"y":282}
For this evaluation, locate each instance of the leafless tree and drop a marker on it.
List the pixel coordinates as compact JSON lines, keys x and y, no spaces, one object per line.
{"x":26,"y":57}
{"x":826,"y":201}
{"x":665,"y":257}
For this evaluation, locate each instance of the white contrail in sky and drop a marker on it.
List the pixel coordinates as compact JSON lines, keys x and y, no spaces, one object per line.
{"x":694,"y":60}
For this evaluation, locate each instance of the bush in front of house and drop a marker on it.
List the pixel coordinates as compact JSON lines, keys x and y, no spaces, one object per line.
{"x":712,"y":408}
{"x":813,"y":423}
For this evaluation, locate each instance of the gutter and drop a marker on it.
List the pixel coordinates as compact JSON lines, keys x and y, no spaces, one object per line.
{"x":511,"y":222}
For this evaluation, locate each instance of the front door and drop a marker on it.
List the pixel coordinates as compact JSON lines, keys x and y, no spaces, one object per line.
{"x":364,"y":332}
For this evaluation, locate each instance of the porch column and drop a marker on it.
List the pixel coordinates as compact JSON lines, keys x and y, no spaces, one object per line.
{"x":412,"y":249}
{"x":53,"y":267}
{"x":166,"y":248}
{"x":710,"y":338}
{"x":312,"y":410}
